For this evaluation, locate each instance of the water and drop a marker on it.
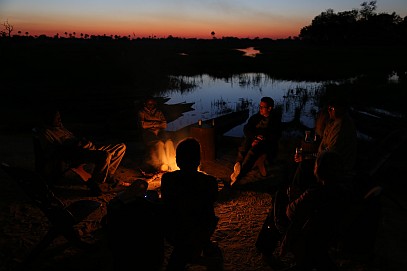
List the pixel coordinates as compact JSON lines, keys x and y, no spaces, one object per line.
{"x":213,"y":97}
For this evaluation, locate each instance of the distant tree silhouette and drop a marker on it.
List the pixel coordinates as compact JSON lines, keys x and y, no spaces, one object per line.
{"x":368,"y":10}
{"x":8,"y":28}
{"x":213,"y":34}
{"x":355,"y":26}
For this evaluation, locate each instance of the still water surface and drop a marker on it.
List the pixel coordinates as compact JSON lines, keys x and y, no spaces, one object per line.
{"x":213,"y":97}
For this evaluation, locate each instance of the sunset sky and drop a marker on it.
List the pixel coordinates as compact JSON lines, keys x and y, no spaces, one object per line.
{"x":179,"y":18}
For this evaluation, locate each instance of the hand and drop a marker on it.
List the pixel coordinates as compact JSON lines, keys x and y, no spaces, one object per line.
{"x":297,"y":157}
{"x":255,"y":142}
{"x":257,"y":139}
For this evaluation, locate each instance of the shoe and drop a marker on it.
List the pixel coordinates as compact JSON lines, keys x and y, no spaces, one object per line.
{"x":164,"y":167}
{"x":235,"y":174}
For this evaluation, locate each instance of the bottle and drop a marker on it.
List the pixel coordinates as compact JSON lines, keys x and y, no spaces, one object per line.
{"x":213,"y":122}
{"x":307,"y":136}
{"x":200,"y":123}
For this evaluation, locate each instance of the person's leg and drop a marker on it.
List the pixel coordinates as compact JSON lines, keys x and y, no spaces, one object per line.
{"x":251,"y":157}
{"x":162,"y":162}
{"x":170,"y":154}
{"x":100,"y":159}
{"x":242,"y":152}
{"x":304,"y":178}
{"x":153,"y":158}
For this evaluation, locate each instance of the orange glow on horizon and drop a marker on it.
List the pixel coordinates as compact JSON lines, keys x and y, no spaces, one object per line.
{"x":178,"y":31}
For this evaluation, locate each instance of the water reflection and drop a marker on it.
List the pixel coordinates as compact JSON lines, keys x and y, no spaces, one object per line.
{"x":250,"y":51}
{"x":214,"y":97}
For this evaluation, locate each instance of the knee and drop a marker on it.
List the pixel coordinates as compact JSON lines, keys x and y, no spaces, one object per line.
{"x":122,"y":148}
{"x":169,"y":144}
{"x":159,"y":145}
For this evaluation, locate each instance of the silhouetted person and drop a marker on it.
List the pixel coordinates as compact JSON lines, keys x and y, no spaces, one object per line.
{"x":60,"y":143}
{"x":134,"y":229}
{"x":339,"y":135}
{"x":188,"y":198}
{"x":160,"y":147}
{"x":316,"y":216}
{"x":261,"y":137}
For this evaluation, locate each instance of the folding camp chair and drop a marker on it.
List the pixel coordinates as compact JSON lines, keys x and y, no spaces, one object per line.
{"x":62,"y":218}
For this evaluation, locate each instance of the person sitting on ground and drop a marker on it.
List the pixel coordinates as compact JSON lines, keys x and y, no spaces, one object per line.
{"x":133,"y":224}
{"x":188,"y":198}
{"x":316,"y":216}
{"x":339,"y":135}
{"x":159,"y":146}
{"x":261,"y":137}
{"x":61,"y":144}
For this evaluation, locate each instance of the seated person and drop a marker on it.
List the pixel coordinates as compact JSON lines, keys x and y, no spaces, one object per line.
{"x":134,"y":229}
{"x":316,"y":215}
{"x":261,"y":137}
{"x":159,"y":146}
{"x":188,"y":198}
{"x":339,"y":135}
{"x":59,"y":143}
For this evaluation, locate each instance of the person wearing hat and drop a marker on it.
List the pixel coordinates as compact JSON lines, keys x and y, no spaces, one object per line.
{"x":261,"y":137}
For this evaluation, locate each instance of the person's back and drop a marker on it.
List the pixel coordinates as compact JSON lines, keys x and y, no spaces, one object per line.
{"x":188,"y":198}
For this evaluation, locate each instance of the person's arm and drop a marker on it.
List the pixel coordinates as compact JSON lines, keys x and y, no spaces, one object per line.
{"x":161,"y":122}
{"x":153,"y":121}
{"x":249,"y":129}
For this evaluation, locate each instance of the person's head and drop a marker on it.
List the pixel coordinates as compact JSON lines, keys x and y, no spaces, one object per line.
{"x":51,"y":117}
{"x":266,"y":105}
{"x":329,"y":167}
{"x":337,"y":107}
{"x":150,"y":103}
{"x":188,"y":154}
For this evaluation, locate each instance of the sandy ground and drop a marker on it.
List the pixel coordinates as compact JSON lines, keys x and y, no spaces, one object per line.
{"x":241,"y":212}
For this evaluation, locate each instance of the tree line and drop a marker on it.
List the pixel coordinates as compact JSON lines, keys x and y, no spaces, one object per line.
{"x":362,"y":25}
